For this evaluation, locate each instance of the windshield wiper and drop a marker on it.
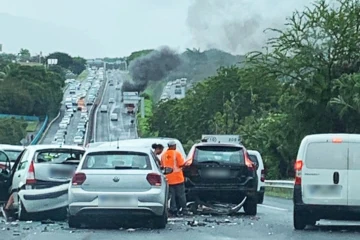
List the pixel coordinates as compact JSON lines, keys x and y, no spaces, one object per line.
{"x":126,"y":167}
{"x":211,"y":161}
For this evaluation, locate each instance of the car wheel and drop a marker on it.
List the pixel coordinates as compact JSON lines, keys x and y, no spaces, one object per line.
{"x":299,"y":220}
{"x":159,"y":222}
{"x":22,"y":214}
{"x":250,"y":206}
{"x":260,"y":197}
{"x":74,"y":222}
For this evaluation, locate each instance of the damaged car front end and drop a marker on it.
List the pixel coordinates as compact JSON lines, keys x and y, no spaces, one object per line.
{"x":41,"y":178}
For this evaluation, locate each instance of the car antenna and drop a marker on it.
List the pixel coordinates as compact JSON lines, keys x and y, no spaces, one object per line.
{"x":118,"y":143}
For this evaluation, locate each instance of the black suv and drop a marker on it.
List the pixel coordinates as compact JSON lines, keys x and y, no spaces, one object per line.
{"x":222,"y":173}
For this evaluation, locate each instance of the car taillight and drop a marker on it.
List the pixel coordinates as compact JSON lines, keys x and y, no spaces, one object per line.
{"x":298,"y":167}
{"x":154,"y":179}
{"x":262,"y":177}
{"x":78,"y":179}
{"x":30,"y":179}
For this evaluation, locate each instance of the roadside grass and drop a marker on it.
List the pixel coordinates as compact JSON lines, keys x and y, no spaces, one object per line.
{"x":31,"y":126}
{"x":286,"y":193}
{"x":82,"y":76}
{"x":143,"y":123}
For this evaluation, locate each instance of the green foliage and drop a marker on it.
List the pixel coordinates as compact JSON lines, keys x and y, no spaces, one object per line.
{"x":31,"y":126}
{"x":27,"y":90}
{"x":306,"y":81}
{"x":143,"y":123}
{"x":24,"y":55}
{"x":12,"y":131}
{"x":74,"y":64}
{"x":137,"y":54}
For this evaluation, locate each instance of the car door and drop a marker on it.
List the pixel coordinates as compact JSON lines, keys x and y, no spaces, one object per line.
{"x":19,"y":170}
{"x":325,"y":171}
{"x":354,"y":170}
{"x":5,"y":176}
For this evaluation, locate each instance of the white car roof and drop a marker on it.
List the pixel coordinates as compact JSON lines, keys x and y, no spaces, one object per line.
{"x":11,"y":147}
{"x":120,"y":148}
{"x":144,"y":142}
{"x":52,"y":146}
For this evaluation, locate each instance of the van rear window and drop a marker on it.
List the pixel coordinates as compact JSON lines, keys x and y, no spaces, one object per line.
{"x":326,"y":156}
{"x":219,"y":154}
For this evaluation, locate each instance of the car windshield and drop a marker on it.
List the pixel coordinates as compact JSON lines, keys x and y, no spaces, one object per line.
{"x":58,"y":155}
{"x":117,"y":160}
{"x":224,"y":154}
{"x":12,"y":154}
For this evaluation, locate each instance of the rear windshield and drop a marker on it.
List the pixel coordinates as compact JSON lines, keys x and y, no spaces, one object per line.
{"x":58,"y":155}
{"x":117,"y":160}
{"x":326,"y":156}
{"x":12,"y":154}
{"x":219,"y":154}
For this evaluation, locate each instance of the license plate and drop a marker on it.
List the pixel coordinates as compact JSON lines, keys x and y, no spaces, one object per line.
{"x":61,"y":174}
{"x":117,"y":201}
{"x":217,"y":173}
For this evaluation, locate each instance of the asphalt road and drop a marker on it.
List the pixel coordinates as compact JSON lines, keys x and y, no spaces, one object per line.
{"x":74,"y":121}
{"x":105,"y":129}
{"x":274,"y":221}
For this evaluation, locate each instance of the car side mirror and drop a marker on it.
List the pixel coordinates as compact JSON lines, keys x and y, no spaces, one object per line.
{"x":167,"y":170}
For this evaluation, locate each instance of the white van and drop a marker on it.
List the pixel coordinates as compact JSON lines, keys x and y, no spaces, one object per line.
{"x":327,"y":170}
{"x":256,"y":158}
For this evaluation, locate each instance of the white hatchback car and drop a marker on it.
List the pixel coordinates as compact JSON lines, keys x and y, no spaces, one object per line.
{"x":121,"y":181}
{"x":326,"y":179}
{"x":256,"y":158}
{"x":40,"y":179}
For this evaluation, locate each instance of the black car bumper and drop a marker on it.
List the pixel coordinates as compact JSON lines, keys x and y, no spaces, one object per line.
{"x":226,"y":193}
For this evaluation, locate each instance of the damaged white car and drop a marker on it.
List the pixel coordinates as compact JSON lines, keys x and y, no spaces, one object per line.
{"x":40,"y":179}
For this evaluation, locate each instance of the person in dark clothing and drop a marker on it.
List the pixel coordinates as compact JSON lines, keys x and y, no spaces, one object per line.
{"x":158,"y":148}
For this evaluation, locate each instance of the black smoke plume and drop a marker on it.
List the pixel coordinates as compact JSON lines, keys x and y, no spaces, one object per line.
{"x":152,"y":67}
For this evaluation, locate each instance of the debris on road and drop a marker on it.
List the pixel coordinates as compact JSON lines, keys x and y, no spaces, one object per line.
{"x":215,"y":208}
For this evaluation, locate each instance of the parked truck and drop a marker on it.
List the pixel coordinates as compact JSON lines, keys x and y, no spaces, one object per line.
{"x":81,"y":104}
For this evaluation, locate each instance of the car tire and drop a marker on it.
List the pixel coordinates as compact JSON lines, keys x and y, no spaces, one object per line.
{"x":22,"y":214}
{"x":74,"y":222}
{"x":299,"y":220}
{"x":260,"y":197}
{"x":159,"y":222}
{"x":250,"y":206}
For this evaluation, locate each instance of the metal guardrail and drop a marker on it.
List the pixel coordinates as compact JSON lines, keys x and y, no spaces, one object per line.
{"x":279,"y":184}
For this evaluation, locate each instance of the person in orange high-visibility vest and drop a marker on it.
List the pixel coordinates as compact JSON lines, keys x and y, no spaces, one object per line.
{"x":173,"y":159}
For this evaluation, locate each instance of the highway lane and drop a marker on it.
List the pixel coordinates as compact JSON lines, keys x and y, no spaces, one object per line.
{"x":74,"y":121}
{"x":107,"y":130}
{"x":274,"y":221}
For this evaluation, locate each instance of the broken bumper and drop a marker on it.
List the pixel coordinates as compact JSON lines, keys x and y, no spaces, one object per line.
{"x":39,"y":200}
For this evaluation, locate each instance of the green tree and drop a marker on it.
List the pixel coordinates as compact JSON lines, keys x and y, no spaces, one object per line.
{"x":12,"y":131}
{"x":307,"y":81}
{"x":137,"y":54}
{"x":24,"y":55}
{"x":64,"y":59}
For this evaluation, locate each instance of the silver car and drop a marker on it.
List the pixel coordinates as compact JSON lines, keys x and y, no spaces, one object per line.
{"x":119,"y":181}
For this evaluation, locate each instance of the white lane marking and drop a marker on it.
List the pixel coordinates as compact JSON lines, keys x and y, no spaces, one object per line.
{"x":274,"y":208}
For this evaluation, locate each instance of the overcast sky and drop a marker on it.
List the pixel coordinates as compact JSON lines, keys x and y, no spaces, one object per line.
{"x":112,"y":28}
